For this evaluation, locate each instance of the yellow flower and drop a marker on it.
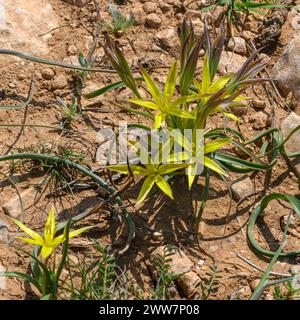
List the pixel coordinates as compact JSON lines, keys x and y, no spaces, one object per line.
{"x":49,"y":242}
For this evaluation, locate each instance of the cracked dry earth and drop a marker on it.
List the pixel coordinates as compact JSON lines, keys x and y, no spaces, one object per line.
{"x":58,"y":30}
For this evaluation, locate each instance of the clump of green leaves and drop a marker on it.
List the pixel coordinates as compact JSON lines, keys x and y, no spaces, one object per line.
{"x":244,"y":6}
{"x":56,"y":175}
{"x":120,"y":23}
{"x":186,"y":106}
{"x":98,"y":277}
{"x":95,"y":278}
{"x":286,"y":292}
{"x":210,"y":283}
{"x":71,"y":111}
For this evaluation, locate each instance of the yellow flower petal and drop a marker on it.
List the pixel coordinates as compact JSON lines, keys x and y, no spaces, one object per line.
{"x":50,"y":227}
{"x":77,"y":232}
{"x":31,"y":241}
{"x":46,"y":252}
{"x":27,"y":230}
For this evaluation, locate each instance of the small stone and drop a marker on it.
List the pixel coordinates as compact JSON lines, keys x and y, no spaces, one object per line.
{"x":242,"y":188}
{"x":78,"y":3}
{"x":167,"y":38}
{"x":13,"y":207}
{"x":149,"y":7}
{"x":12,"y":85}
{"x":200,"y":262}
{"x":59,"y":82}
{"x":21,"y":76}
{"x":138,"y":16}
{"x":295,"y":270}
{"x":287,"y":125}
{"x":293,"y":144}
{"x":287,"y":69}
{"x":259,"y":104}
{"x":213,"y":248}
{"x":230,"y":62}
{"x":72,"y":50}
{"x":198,"y":27}
{"x":254,"y":284}
{"x":259,"y":120}
{"x":201,"y":53}
{"x":242,"y":292}
{"x":164,"y":7}
{"x":3,"y":232}
{"x":157,"y":235}
{"x":48,"y":73}
{"x":248,"y":35}
{"x":153,"y":21}
{"x":43,"y":101}
{"x":71,"y":60}
{"x":188,"y":283}
{"x":268,"y":296}
{"x":238,"y":45}
{"x":179,"y":262}
{"x":284,"y":220}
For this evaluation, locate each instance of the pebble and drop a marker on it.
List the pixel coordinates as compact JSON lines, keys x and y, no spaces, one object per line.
{"x":72,"y":50}
{"x":259,"y":104}
{"x":164,"y":7}
{"x":188,"y":283}
{"x":149,"y":7}
{"x":21,"y":76}
{"x":167,"y":38}
{"x":259,"y":120}
{"x":3,"y":232}
{"x":230,"y":62}
{"x":78,"y":3}
{"x":242,"y":188}
{"x":138,"y":16}
{"x":153,"y":21}
{"x":48,"y":73}
{"x":13,"y":206}
{"x":238,"y":45}
{"x":254,"y":284}
{"x":59,"y":82}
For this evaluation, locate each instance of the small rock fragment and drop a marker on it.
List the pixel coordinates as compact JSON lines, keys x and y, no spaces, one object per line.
{"x":179,"y":263}
{"x":72,"y":50}
{"x":149,"y":7}
{"x":242,"y":188}
{"x":259,"y":104}
{"x":3,"y":232}
{"x":238,"y":45}
{"x":48,"y":73}
{"x":138,"y":15}
{"x":198,"y":27}
{"x":287,"y":125}
{"x":59,"y":82}
{"x":259,"y":120}
{"x":164,"y":7}
{"x":167,"y":38}
{"x":188,"y":283}
{"x":287,"y":69}
{"x":284,"y":220}
{"x":230,"y":62}
{"x":78,"y":3}
{"x":254,"y":284}
{"x":13,"y":207}
{"x":295,"y":270}
{"x":153,"y":21}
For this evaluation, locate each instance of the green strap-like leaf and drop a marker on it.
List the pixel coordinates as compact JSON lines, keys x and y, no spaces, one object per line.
{"x":145,"y":189}
{"x":164,"y":186}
